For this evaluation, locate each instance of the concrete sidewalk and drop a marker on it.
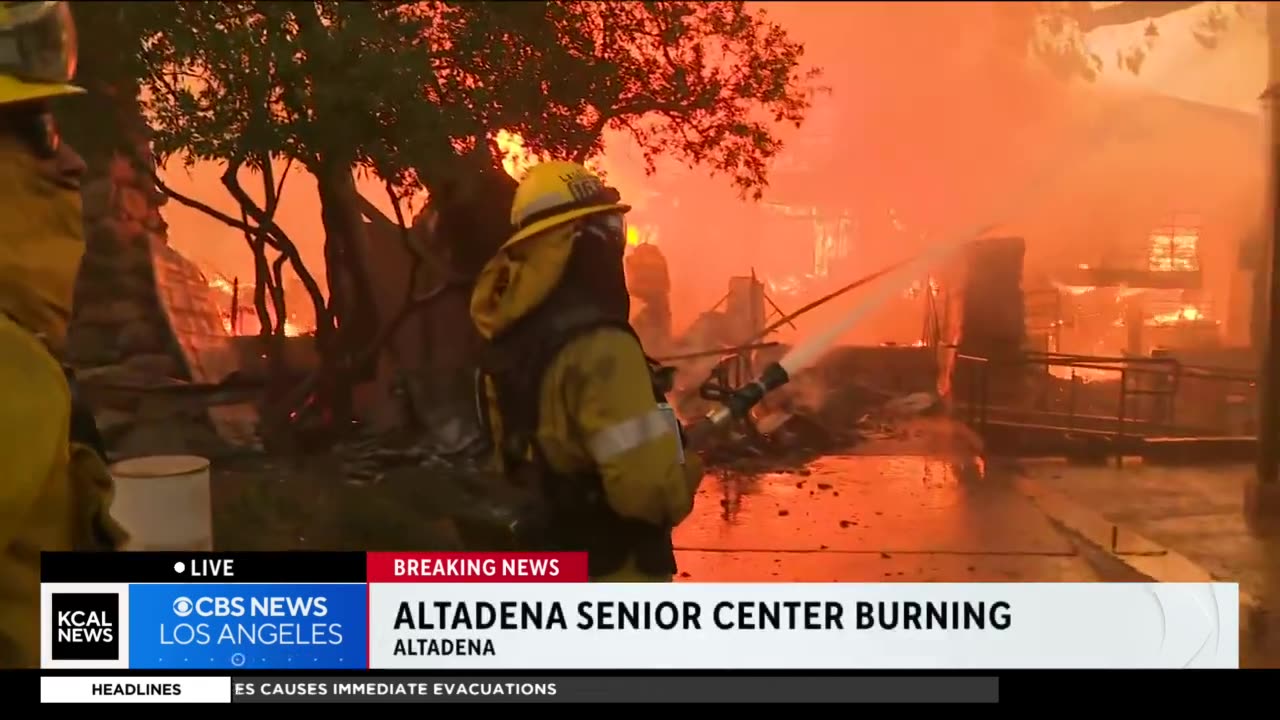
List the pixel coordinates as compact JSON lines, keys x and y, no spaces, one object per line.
{"x":880,"y":518}
{"x":1172,"y":524}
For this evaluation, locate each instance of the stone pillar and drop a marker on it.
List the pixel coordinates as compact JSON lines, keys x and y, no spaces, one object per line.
{"x":117,"y":318}
{"x":992,"y":316}
{"x":120,"y":333}
{"x":993,"y":322}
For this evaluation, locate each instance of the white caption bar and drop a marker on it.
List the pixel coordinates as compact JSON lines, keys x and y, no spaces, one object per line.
{"x":135,"y":689}
{"x":534,"y":626}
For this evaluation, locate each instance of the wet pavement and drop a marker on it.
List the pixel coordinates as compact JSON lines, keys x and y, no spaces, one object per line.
{"x":897,"y":512}
{"x":1196,"y":511}
{"x":875,"y":517}
{"x":1176,"y":524}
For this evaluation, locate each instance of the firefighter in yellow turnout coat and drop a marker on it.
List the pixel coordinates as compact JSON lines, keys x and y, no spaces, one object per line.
{"x":54,"y":493}
{"x":569,"y":394}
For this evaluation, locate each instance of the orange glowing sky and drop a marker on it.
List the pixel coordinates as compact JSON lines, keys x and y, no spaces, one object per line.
{"x":904,"y":119}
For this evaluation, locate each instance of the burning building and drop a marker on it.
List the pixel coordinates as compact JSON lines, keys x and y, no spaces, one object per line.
{"x":1155,"y":206}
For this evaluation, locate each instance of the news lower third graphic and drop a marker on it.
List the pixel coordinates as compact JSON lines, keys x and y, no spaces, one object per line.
{"x":322,"y":612}
{"x":250,"y":627}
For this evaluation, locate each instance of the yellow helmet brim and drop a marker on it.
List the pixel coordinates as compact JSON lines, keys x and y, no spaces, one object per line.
{"x":13,"y":90}
{"x":546,"y":224}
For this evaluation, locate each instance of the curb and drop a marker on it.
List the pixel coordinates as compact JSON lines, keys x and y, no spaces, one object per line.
{"x":1139,"y":553}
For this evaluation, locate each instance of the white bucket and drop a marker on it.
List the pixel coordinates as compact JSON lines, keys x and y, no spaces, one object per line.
{"x":164,"y":502}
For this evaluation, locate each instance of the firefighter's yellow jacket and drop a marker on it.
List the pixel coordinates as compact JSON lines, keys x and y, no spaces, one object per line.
{"x":597,"y":408}
{"x":53,"y":496}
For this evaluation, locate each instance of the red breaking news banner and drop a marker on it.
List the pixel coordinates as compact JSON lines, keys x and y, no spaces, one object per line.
{"x":458,"y":567}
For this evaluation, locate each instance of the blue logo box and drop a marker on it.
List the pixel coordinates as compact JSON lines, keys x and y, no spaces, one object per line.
{"x":250,"y":627}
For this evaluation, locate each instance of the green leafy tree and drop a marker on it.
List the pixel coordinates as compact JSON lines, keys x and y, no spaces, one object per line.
{"x":107,"y":125}
{"x":416,"y":93}
{"x":249,"y":84}
{"x":703,"y":83}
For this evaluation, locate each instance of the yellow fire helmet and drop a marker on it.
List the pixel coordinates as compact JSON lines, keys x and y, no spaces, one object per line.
{"x":555,"y":193}
{"x":37,"y":51}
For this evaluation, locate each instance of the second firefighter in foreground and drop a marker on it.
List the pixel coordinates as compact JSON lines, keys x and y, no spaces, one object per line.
{"x":570,"y":398}
{"x":55,"y":488}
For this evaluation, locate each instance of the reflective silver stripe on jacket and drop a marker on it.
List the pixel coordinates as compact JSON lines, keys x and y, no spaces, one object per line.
{"x":629,"y":434}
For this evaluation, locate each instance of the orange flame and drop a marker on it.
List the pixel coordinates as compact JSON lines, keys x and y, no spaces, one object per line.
{"x":1189,"y":313}
{"x":517,"y":158}
{"x":248,"y":320}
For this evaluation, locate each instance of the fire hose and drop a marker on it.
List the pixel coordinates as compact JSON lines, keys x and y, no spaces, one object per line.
{"x":737,"y":403}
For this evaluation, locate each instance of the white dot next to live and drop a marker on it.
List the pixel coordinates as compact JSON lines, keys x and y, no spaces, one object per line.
{"x":179,"y":568}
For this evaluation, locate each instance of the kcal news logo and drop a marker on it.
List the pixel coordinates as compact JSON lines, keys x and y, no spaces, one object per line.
{"x":86,"y":626}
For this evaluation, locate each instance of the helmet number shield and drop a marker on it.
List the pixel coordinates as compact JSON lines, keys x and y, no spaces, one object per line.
{"x":584,"y":188}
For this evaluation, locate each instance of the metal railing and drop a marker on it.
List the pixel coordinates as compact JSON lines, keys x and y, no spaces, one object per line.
{"x":1152,"y":396}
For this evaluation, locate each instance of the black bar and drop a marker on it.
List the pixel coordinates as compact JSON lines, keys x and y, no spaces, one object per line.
{"x":609,"y":689}
{"x":1028,"y":688}
{"x":203,"y":567}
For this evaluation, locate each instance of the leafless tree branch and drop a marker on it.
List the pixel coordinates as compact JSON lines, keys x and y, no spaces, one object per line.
{"x":201,"y":207}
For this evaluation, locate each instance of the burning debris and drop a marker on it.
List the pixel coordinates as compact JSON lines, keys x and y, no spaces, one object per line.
{"x":834,"y":407}
{"x":838,"y":398}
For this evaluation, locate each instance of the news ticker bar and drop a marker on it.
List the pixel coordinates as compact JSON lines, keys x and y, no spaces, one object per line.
{"x":518,"y":689}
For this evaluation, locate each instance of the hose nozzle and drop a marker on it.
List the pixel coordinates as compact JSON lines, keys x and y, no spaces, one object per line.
{"x":738,"y":403}
{"x":735,"y":403}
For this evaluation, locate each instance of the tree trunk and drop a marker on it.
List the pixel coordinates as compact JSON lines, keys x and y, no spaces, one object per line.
{"x":261,"y":286}
{"x":473,"y":203}
{"x":350,"y":295}
{"x":278,"y":299}
{"x":472,"y":222}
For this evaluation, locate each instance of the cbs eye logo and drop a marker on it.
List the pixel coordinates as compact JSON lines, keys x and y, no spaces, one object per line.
{"x":183,"y":606}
